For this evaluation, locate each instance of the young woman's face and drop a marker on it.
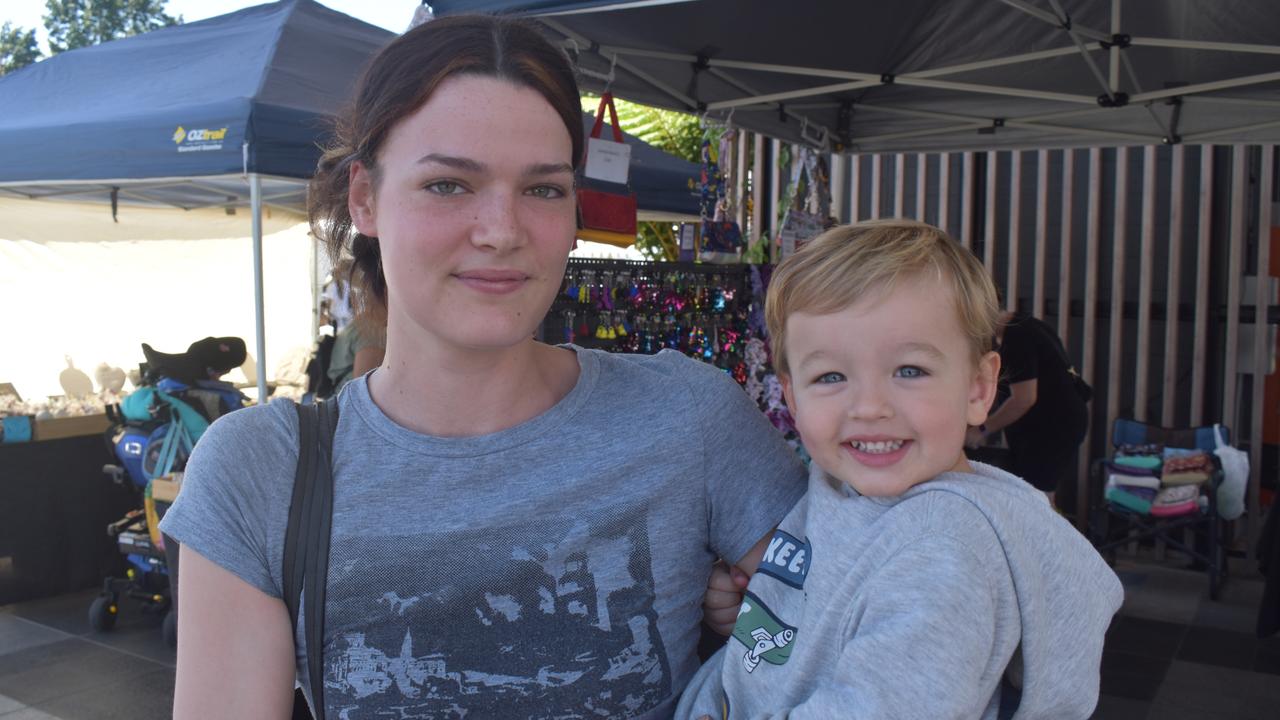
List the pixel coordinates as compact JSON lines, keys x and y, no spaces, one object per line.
{"x":474,"y":211}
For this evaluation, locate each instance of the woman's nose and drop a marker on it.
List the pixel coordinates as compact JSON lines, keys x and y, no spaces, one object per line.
{"x":498,"y":225}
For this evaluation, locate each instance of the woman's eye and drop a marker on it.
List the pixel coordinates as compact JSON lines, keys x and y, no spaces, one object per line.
{"x":909,"y":371}
{"x":547,"y":192}
{"x":444,"y":187}
{"x":828,"y":378}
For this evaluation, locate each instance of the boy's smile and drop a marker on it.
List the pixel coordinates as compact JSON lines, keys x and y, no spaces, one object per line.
{"x":883,"y":390}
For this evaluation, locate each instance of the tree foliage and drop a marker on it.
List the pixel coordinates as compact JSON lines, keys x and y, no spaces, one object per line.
{"x":18,"y":48}
{"x":80,"y":23}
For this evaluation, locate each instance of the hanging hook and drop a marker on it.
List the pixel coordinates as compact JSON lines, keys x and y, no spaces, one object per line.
{"x":613,"y":63}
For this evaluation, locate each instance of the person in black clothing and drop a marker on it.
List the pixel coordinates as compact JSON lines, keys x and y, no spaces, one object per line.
{"x":1045,"y":417}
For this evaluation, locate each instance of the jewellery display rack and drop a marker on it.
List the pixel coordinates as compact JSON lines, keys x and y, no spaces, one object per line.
{"x":701,"y":310}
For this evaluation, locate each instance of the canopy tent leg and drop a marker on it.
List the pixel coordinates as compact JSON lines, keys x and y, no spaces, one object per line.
{"x":255,"y":202}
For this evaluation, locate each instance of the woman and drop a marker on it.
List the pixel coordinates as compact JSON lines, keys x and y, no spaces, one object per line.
{"x":1046,"y":416}
{"x":518,"y":529}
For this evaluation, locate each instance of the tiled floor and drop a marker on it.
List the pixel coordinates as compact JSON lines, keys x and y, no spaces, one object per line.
{"x":1171,"y":654}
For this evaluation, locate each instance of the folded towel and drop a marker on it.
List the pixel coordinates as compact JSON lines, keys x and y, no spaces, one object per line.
{"x":1136,"y":481}
{"x":1190,"y":477}
{"x":1145,"y":462}
{"x":1197,"y":462}
{"x":1128,"y":500}
{"x":1176,"y":500}
{"x":1115,"y":467}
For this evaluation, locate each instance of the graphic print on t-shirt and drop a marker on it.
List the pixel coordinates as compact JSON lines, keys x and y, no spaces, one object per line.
{"x":765,"y":636}
{"x":552,"y":618}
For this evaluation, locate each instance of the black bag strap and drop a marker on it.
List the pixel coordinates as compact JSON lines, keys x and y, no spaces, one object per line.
{"x":306,"y":540}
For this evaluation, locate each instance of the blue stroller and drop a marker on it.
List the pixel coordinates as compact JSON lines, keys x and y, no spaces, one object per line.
{"x":153,"y":433}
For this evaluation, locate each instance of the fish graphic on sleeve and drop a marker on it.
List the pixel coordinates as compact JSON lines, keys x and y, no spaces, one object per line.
{"x":765,"y":636}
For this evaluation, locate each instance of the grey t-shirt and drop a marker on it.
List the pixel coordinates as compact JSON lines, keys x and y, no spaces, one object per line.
{"x":554,"y":569}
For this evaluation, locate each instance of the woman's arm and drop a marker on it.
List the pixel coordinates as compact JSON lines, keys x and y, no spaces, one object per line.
{"x":724,"y":588}
{"x":235,"y":648}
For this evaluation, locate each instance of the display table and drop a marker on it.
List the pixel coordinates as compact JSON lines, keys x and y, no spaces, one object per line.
{"x":55,"y":504}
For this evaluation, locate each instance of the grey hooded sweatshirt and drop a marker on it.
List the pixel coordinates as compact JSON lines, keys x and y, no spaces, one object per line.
{"x":914,"y":607}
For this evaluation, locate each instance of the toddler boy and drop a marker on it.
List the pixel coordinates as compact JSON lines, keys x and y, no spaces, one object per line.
{"x":904,"y":582}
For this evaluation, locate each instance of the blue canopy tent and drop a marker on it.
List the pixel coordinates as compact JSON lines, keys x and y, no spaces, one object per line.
{"x":225,"y":112}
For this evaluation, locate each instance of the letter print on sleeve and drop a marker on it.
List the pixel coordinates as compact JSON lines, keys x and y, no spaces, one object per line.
{"x":787,"y":559}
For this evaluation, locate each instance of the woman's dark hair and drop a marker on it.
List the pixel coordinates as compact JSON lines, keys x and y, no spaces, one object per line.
{"x":399,"y":80}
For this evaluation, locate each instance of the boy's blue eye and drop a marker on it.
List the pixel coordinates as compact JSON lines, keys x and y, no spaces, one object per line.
{"x":909,"y":371}
{"x":831,"y":377}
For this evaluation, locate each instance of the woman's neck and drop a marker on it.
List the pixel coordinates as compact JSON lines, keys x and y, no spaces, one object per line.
{"x":451,"y":392}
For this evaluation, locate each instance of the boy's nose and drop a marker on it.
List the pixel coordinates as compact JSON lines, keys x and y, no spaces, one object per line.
{"x":868,"y":401}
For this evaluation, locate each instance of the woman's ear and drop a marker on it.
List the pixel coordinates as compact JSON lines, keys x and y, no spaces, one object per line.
{"x":982,"y":392}
{"x":360,"y":200}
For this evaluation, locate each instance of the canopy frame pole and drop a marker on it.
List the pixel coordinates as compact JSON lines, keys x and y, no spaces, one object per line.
{"x":1206,"y":87}
{"x":843,"y":74}
{"x":1114,"y":77}
{"x":255,"y":202}
{"x":775,"y":97}
{"x":1065,"y":23}
{"x":687,"y":101}
{"x":1204,"y":45}
{"x":1056,"y":21}
{"x":1201,"y":100}
{"x":731,"y":80}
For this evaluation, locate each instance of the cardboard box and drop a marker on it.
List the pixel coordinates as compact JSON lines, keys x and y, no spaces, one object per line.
{"x":66,"y":427}
{"x":165,"y":489}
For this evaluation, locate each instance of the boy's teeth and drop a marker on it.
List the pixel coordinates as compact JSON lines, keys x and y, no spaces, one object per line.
{"x":884,"y":446}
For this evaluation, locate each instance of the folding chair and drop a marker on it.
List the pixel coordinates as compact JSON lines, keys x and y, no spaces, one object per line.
{"x":1111,"y":525}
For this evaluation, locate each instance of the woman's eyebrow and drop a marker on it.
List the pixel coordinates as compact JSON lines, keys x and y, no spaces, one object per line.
{"x":475,"y":166}
{"x":540,"y":169}
{"x":458,"y":163}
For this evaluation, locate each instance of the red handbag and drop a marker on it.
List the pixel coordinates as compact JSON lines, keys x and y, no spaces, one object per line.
{"x":601,"y":209}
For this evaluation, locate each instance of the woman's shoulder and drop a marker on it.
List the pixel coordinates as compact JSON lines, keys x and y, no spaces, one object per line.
{"x":273,"y":424}
{"x":665,"y":367}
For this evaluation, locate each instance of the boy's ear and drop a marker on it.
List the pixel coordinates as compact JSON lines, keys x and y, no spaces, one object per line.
{"x":982,"y":391}
{"x":360,"y":200}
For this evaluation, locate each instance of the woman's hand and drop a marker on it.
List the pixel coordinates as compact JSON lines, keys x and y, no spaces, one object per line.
{"x":724,"y":597}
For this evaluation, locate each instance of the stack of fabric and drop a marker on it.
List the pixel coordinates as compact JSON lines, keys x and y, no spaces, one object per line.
{"x":1132,"y":480}
{"x":1181,"y":476}
{"x":1154,"y":480}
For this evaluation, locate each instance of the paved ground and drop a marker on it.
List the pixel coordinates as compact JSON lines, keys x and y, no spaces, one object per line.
{"x":1171,"y":654}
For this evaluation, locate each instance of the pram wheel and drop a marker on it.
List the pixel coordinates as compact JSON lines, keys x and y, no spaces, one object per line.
{"x":103,"y":613}
{"x":170,"y":628}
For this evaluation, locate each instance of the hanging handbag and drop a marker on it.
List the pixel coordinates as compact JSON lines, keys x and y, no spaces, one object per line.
{"x":721,"y":239}
{"x":602,"y":208}
{"x":306,"y":539}
{"x":799,"y":225}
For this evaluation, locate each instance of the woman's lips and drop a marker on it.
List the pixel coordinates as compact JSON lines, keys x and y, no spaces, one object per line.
{"x":493,"y":282}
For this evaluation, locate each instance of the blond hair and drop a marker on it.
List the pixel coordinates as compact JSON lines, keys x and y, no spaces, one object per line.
{"x":847,"y":263}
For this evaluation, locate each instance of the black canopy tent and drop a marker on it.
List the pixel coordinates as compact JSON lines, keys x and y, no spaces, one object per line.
{"x":225,"y":112}
{"x":928,"y":75}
